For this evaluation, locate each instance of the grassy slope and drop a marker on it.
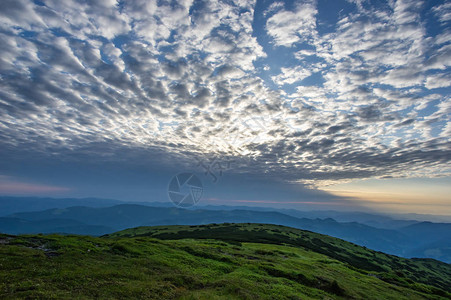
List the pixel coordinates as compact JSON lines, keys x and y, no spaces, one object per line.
{"x":231,"y":261}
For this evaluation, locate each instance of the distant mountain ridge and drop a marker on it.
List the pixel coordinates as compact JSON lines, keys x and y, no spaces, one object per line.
{"x":66,"y":226}
{"x":103,"y":220}
{"x":11,"y":205}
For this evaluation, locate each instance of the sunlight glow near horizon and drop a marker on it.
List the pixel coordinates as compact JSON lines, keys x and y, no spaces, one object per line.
{"x":415,"y":195}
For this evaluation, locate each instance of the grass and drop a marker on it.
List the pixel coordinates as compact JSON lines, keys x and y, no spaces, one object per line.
{"x":222,"y":261}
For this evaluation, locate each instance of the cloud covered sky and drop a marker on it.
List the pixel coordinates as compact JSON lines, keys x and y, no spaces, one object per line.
{"x":307,"y":92}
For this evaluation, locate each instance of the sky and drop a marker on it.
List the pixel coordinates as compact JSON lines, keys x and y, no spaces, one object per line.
{"x":313,"y":104}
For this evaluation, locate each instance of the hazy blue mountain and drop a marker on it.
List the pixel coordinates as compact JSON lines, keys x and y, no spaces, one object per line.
{"x":68,"y":226}
{"x":10,"y":205}
{"x":440,"y":250}
{"x":422,"y":217}
{"x":432,"y":240}
{"x":428,"y":231}
{"x":370,"y":219}
{"x":131,"y":215}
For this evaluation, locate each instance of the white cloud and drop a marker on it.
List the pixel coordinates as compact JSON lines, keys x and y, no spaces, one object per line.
{"x":443,"y":12}
{"x":273,"y":8}
{"x":301,"y":54}
{"x":441,"y":59}
{"x":406,"y":11}
{"x":291,"y":75}
{"x":20,"y":13}
{"x":440,"y":80}
{"x":290,"y":27}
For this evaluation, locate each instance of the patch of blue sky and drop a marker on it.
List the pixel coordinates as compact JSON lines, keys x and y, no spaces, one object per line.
{"x":27,"y":34}
{"x":39,"y":3}
{"x":330,"y":12}
{"x":316,"y":79}
{"x":59,"y":32}
{"x":105,"y":57}
{"x":430,"y":108}
{"x":121,"y":40}
{"x":431,"y":23}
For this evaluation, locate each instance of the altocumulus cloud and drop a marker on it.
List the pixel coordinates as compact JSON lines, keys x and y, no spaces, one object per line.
{"x":361,"y":90}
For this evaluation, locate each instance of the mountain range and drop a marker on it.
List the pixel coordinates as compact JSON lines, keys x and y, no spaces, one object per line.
{"x":407,"y":238}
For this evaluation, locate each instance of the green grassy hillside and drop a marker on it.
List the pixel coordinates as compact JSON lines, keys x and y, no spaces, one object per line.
{"x":224,"y":261}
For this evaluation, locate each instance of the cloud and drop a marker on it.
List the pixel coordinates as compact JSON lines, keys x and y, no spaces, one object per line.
{"x":290,"y":27}
{"x":273,"y":8}
{"x":160,"y":83}
{"x":291,"y":75}
{"x":439,"y":80}
{"x":443,"y":12}
{"x":20,"y":12}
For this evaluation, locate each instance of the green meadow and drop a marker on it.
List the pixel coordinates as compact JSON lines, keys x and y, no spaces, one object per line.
{"x":216,"y":261}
